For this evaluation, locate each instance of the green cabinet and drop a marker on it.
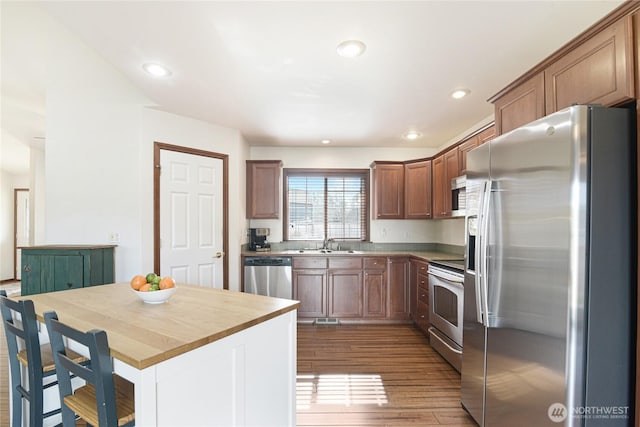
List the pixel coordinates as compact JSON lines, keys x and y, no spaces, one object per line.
{"x":57,"y":268}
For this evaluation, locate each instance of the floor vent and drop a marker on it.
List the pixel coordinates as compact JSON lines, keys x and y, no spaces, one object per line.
{"x":326,"y":321}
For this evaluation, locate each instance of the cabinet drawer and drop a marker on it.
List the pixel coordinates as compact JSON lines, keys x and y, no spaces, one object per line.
{"x":422,"y":317}
{"x":423,"y":295}
{"x":309,"y":262}
{"x":375,"y":263}
{"x":423,"y":280}
{"x":354,"y":263}
{"x":421,"y":266}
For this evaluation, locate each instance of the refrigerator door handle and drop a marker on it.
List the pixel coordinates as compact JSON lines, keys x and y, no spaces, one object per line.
{"x":482,"y":280}
{"x":478,"y":256}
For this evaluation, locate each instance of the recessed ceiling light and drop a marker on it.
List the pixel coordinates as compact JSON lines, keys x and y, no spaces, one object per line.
{"x":412,"y":135}
{"x":351,"y":48}
{"x":460,"y":93}
{"x":156,"y":70}
{"x":326,"y":141}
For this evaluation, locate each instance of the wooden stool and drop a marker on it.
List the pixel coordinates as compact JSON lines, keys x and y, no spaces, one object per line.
{"x":106,"y":400}
{"x":37,"y":360}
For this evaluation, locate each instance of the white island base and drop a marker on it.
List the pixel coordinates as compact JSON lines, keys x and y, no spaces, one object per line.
{"x":245,"y":379}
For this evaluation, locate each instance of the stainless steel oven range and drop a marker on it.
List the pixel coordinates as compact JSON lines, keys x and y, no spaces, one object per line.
{"x":446,"y":296}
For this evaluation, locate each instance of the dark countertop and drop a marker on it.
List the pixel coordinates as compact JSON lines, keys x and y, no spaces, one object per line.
{"x":424,"y":255}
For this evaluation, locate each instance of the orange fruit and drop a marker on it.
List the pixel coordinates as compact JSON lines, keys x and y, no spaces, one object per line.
{"x":138,"y":281}
{"x":145,"y":287}
{"x":167,"y":282}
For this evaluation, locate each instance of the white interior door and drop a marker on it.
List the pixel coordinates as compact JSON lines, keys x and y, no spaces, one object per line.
{"x":22,"y":227}
{"x":191,"y":218}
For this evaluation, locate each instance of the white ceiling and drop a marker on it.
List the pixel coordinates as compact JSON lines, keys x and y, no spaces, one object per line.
{"x":270,"y":69}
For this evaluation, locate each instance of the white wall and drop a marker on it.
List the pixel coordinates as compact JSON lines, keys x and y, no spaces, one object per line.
{"x":8,"y":182}
{"x":92,"y":159}
{"x":99,"y":153}
{"x":37,"y":195}
{"x":177,"y":130}
{"x":382,"y":231}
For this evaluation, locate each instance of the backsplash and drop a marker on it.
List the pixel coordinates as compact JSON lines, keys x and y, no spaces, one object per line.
{"x":367,"y":246}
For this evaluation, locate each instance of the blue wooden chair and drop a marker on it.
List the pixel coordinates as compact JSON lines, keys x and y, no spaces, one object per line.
{"x":107,"y":399}
{"x":25,"y":352}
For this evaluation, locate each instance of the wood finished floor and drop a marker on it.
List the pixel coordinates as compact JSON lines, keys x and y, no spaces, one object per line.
{"x":374,"y":376}
{"x":357,"y":376}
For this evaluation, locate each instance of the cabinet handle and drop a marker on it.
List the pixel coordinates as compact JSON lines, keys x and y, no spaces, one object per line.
{"x":422,"y":282}
{"x":423,"y":295}
{"x":27,"y":268}
{"x":422,"y":316}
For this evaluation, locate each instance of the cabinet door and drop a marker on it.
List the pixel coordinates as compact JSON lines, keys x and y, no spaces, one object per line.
{"x":418,"y":268}
{"x":486,"y":135}
{"x":310,"y":288}
{"x":398,"y":287}
{"x":417,"y":190}
{"x":599,"y":71}
{"x":438,"y":179}
{"x":388,"y":192}
{"x":375,"y":290}
{"x":521,"y":105}
{"x":263,"y":189}
{"x":463,"y":149}
{"x":31,"y":274}
{"x":452,"y":170}
{"x":68,"y":272}
{"x":345,"y":293}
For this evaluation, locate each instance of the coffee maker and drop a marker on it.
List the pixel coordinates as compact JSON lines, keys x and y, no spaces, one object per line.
{"x":258,"y":240}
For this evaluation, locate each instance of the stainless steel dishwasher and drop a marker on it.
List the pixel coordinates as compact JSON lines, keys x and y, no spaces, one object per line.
{"x":268,"y":275}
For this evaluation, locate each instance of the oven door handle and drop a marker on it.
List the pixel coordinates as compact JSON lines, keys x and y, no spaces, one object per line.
{"x":445,"y":276}
{"x":454,"y":286}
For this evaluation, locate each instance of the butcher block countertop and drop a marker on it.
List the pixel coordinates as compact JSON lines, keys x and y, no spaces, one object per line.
{"x":143,"y":334}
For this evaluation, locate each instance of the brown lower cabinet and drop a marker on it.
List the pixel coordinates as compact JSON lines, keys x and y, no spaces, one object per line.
{"x":398,"y":274}
{"x":420,"y":294}
{"x":345,"y":294}
{"x":375,"y":288}
{"x":310,"y":288}
{"x":352,"y":288}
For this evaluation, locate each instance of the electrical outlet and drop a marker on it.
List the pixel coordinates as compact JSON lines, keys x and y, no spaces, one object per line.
{"x":114,"y":237}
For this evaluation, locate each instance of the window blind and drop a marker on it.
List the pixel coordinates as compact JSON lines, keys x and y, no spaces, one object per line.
{"x":326,"y":205}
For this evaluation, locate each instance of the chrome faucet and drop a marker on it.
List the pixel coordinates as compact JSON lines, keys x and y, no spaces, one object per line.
{"x":326,"y":242}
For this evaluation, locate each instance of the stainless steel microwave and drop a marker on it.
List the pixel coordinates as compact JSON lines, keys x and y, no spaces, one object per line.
{"x":458,"y":195}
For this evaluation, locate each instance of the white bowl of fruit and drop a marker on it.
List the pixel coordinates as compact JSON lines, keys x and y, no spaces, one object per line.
{"x":152,"y":288}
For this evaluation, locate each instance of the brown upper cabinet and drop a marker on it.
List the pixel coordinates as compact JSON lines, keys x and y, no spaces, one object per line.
{"x":417,"y":189}
{"x":452,"y":170}
{"x":463,"y":149}
{"x":598,"y":71}
{"x":425,"y":192}
{"x":597,"y":68}
{"x":263,"y":189}
{"x":520,"y":105}
{"x":486,"y":135}
{"x":438,"y":189}
{"x":388,"y":190}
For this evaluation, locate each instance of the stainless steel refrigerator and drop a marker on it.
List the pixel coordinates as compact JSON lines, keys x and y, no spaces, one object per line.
{"x":548,"y":299}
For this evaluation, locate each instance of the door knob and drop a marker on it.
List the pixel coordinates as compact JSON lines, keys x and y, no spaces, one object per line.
{"x":219,"y":254}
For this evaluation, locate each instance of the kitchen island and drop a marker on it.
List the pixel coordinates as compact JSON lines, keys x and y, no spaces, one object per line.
{"x":206,"y":357}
